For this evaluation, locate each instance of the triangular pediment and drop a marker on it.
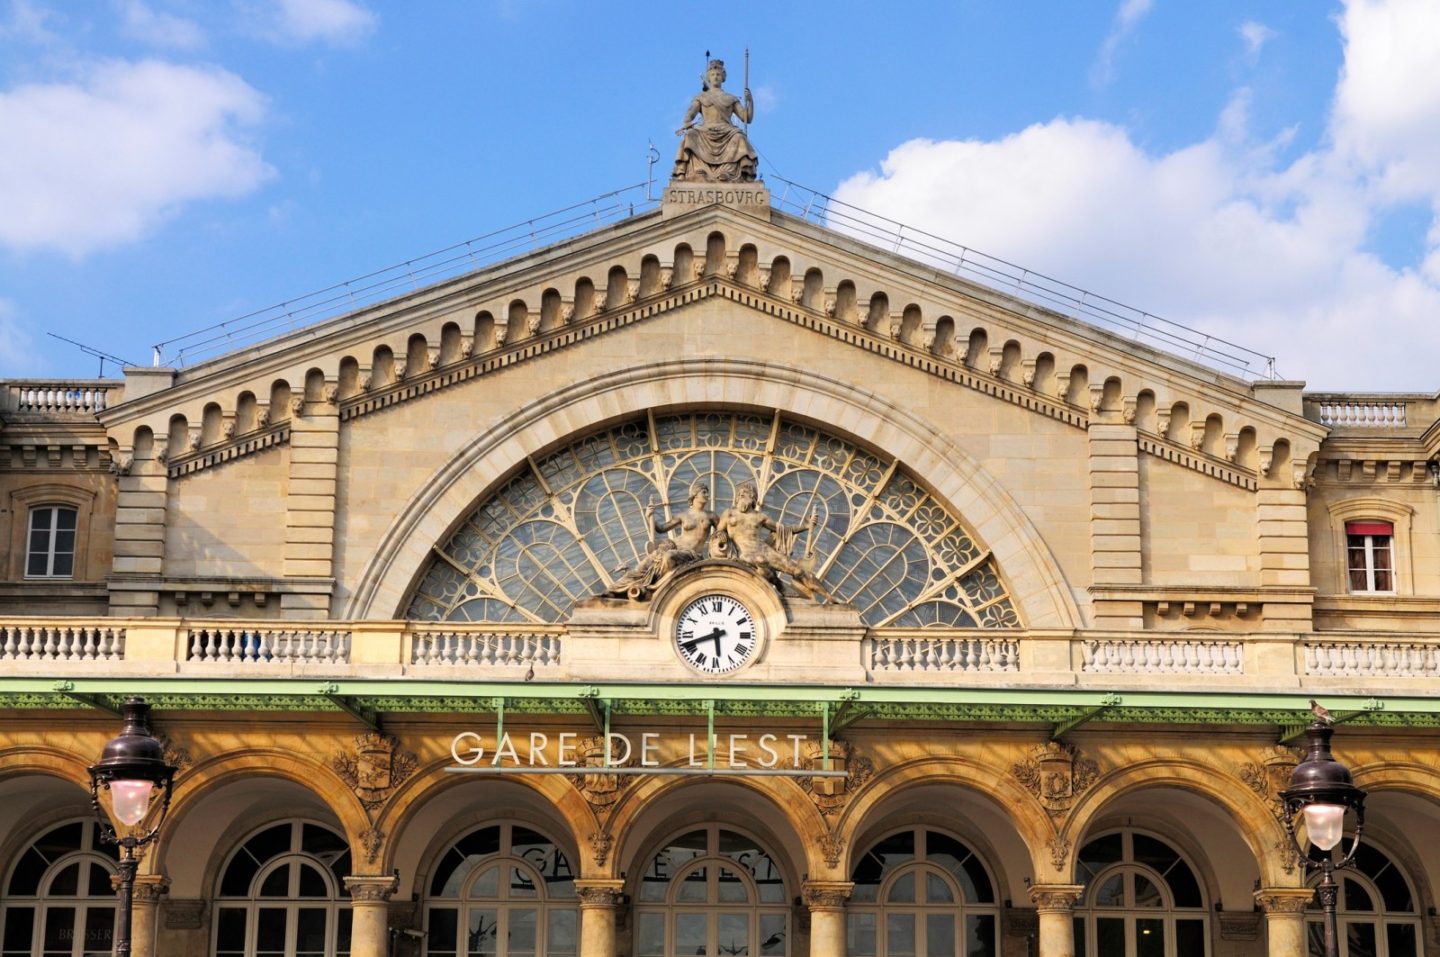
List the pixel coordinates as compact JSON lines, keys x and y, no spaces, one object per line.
{"x":568,"y":295}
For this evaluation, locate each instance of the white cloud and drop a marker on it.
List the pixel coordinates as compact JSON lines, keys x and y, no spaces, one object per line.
{"x":28,"y":22}
{"x":1221,"y":235}
{"x":141,"y":22}
{"x":108,"y":158}
{"x":1255,"y":35}
{"x":337,"y":22}
{"x":1127,"y":18}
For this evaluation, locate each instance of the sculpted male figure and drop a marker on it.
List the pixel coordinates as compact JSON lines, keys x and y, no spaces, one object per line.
{"x":744,"y":533}
{"x":716,"y":151}
{"x":669,"y":553}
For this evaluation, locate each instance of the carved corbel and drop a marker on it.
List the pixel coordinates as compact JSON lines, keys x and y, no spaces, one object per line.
{"x":1302,"y":474}
{"x":262,"y":416}
{"x":1027,"y":372}
{"x":1367,"y":469}
{"x":897,"y":328}
{"x":1267,"y":459}
{"x":532,"y":322}
{"x":1343,"y":469}
{"x":123,"y":464}
{"x":433,"y":358}
{"x":297,"y":404}
{"x":1392,"y":471}
{"x":502,"y":332}
{"x":764,"y":272}
{"x":632,"y":290}
{"x":597,"y":305}
{"x":161,"y":449}
{"x":697,"y":269}
{"x":332,"y":392}
{"x":927,"y":340}
{"x":997,"y":358}
{"x":1062,"y":385}
{"x":1232,"y":446}
{"x":1162,"y":421}
{"x":667,"y":276}
{"x":1097,"y":396}
{"x":831,"y":305}
{"x":467,"y":347}
{"x":194,"y":439}
{"x":797,"y":289}
{"x":1130,"y":410}
{"x":1197,"y":435}
{"x":227,"y":427}
{"x":732,"y":265}
{"x":567,"y":311}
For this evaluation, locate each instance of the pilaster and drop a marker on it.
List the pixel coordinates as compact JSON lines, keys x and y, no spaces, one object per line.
{"x":1282,"y":528}
{"x":1115,"y":546}
{"x":310,"y":503}
{"x":144,"y":912}
{"x":140,"y":502}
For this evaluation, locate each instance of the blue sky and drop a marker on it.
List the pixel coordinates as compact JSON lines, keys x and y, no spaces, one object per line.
{"x":1265,"y":170}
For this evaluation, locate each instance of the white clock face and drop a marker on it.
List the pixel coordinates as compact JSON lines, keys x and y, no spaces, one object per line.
{"x":715,"y":634}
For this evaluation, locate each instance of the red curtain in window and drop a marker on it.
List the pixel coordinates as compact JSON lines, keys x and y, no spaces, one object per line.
{"x":1369,"y":528}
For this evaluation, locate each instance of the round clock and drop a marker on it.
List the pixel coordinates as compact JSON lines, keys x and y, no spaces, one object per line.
{"x":715,"y":634}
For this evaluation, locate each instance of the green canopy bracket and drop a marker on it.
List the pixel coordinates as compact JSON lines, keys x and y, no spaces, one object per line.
{"x":370,"y":719}
{"x":67,"y":689}
{"x":1106,"y":703}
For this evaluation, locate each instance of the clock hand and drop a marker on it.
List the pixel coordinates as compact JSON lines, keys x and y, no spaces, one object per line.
{"x":715,"y":636}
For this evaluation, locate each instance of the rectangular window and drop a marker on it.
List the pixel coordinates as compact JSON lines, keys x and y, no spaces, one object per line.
{"x":1370,"y":554}
{"x":50,"y":551}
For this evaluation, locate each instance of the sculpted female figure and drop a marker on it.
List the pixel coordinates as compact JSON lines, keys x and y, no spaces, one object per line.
{"x":744,"y":533}
{"x":716,"y":151}
{"x":667,"y":553}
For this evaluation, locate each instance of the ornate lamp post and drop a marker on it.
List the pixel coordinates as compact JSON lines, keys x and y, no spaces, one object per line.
{"x":130,"y":771}
{"x":1321,"y":791}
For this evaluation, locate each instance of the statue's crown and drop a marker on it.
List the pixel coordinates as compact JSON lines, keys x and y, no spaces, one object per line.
{"x":714,"y":64}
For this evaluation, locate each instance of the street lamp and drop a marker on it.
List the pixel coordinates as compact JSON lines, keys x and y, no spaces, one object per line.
{"x":130,"y":771}
{"x":1321,"y":791}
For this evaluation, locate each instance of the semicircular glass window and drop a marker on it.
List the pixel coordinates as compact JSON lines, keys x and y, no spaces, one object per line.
{"x":564,"y":527}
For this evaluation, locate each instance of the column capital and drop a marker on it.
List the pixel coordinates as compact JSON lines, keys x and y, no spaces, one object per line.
{"x":371,"y":888}
{"x":1284,"y":900}
{"x":1054,"y":898}
{"x":149,"y":888}
{"x":606,"y":893}
{"x":826,"y":895}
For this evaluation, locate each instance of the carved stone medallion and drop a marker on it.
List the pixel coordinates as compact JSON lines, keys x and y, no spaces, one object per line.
{"x":376,"y":769}
{"x":830,"y":794}
{"x":1056,"y":774}
{"x":599,"y":789}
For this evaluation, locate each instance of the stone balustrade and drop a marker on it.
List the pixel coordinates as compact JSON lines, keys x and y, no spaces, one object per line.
{"x":70,"y":396}
{"x":61,"y":647}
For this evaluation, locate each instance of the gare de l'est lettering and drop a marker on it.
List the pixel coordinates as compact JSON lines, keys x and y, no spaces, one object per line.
{"x":736,"y":573}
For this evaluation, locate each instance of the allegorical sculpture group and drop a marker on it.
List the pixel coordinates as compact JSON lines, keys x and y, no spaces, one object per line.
{"x":716,"y":150}
{"x":742,"y":533}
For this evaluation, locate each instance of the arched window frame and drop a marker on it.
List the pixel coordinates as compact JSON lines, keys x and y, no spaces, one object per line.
{"x":1381,"y":916}
{"x":1087,"y":912}
{"x":557,"y":914}
{"x":922,"y":865}
{"x":42,"y":902}
{"x":335,"y":903}
{"x":666,"y":913}
{"x":1398,"y":515}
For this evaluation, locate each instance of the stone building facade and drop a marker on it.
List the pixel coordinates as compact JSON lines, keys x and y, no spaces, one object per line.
{"x":1083,"y":592}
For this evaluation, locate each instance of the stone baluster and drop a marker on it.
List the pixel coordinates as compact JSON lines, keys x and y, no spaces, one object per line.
{"x":826,"y":901}
{"x":599,"y":902}
{"x":370,"y":912}
{"x":1055,"y":904}
{"x":1284,"y":909}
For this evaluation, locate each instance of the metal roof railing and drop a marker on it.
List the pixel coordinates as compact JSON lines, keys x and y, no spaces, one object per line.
{"x":1007,"y":277}
{"x":373,"y":287}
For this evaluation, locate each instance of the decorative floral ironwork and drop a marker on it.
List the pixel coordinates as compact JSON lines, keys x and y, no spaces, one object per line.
{"x":556,"y":532}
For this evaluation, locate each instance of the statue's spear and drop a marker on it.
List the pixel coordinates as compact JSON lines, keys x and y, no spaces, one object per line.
{"x":747,"y":88}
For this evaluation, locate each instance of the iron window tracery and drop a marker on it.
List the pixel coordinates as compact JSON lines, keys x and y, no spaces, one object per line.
{"x":558,"y":531}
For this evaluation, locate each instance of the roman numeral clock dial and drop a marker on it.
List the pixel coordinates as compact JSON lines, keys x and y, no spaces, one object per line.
{"x":715,"y":634}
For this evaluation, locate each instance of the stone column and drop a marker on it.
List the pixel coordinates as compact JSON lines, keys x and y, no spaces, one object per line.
{"x":370,"y":912}
{"x":1055,"y":903}
{"x":144,"y":913}
{"x":1284,"y":909}
{"x":826,"y":900}
{"x":599,"y":900}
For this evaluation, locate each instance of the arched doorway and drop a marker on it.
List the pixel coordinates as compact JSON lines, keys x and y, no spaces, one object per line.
{"x":1142,"y":899}
{"x":282,"y":894}
{"x":58,"y":901}
{"x":502,"y":890}
{"x":712,"y":891}
{"x":922,"y":893}
{"x":1377,"y":911}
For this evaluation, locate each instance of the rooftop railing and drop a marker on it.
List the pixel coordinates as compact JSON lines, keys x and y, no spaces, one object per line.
{"x":51,"y":397}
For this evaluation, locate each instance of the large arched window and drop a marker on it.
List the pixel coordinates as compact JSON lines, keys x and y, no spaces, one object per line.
{"x":922,"y":893}
{"x":1377,"y":912}
{"x":58,"y":900}
{"x":282,"y":894}
{"x":1142,"y":899}
{"x":502,"y":891}
{"x":556,"y":532}
{"x":712,"y":891}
